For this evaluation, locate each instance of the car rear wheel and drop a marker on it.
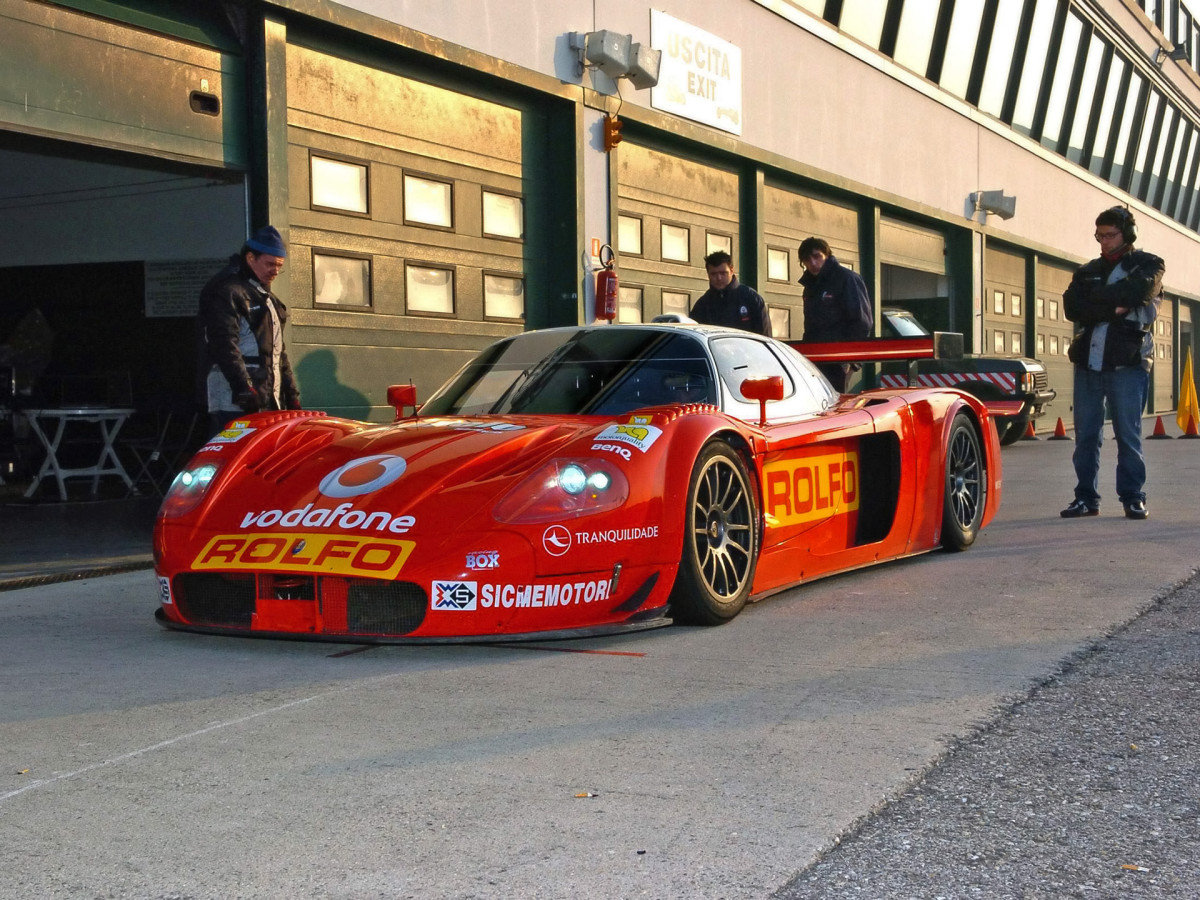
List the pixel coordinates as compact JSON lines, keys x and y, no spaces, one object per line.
{"x":966,"y":485}
{"x":720,"y":543}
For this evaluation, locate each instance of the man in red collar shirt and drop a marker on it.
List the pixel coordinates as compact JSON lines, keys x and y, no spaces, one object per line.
{"x":1114,"y":301}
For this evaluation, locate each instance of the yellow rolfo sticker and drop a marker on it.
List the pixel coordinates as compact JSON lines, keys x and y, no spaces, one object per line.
{"x":332,"y":554}
{"x":809,"y":488}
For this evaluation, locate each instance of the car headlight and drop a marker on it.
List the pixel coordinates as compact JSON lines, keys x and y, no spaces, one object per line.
{"x":188,"y":489}
{"x":564,"y":489}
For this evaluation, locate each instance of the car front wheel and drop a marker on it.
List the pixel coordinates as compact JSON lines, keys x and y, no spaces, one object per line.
{"x":966,"y":485}
{"x":720,"y":543}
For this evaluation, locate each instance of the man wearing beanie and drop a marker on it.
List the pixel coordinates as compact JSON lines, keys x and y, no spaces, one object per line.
{"x":1113,"y":301}
{"x":242,"y":358}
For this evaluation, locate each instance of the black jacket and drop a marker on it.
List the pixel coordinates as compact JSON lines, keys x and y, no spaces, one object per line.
{"x":836,"y":305}
{"x":1090,"y":300}
{"x":234,"y":332}
{"x":736,"y":306}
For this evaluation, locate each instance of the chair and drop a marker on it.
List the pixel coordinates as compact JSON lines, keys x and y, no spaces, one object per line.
{"x":159,"y":453}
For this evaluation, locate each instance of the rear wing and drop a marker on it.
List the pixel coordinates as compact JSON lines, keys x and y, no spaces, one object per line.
{"x":939,"y":345}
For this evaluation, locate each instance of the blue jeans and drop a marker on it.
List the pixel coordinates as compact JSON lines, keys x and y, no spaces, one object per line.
{"x":1125,"y":391}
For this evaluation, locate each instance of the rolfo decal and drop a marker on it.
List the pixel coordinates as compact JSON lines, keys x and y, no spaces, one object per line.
{"x":639,"y":436}
{"x":810,"y":488}
{"x":363,"y":475}
{"x":335,"y":554}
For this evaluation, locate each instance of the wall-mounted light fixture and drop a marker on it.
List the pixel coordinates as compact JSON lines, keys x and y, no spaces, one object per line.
{"x":1178,"y":52}
{"x":995,"y":202}
{"x":617,"y":56}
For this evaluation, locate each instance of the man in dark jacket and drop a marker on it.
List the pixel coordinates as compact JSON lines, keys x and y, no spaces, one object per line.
{"x":836,"y":305}
{"x":242,"y":357}
{"x":728,"y":303}
{"x":1115,"y":300}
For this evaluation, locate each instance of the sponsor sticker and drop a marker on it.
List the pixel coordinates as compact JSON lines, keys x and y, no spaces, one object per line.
{"x":634,"y":435}
{"x":344,"y":515}
{"x":234,"y":431}
{"x":556,"y":540}
{"x":460,"y":596}
{"x":453,"y":596}
{"x":164,"y":591}
{"x":811,"y":487}
{"x":485,"y":559}
{"x":335,"y":554}
{"x":363,"y":475}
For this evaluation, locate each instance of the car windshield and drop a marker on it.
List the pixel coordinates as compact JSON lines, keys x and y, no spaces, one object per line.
{"x":603,"y":371}
{"x":899,"y":323}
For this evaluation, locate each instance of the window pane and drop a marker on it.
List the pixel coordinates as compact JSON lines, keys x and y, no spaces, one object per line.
{"x":503,"y":215}
{"x":1142,"y":163}
{"x":341,"y":280}
{"x":864,"y":20}
{"x":915,"y":37}
{"x":1158,"y":171}
{"x":781,"y":321}
{"x":1016,"y":343}
{"x":1108,"y":114}
{"x":1087,"y":93}
{"x":629,"y":305}
{"x":427,"y":202}
{"x":1184,"y":186}
{"x":1035,"y":65}
{"x":429,"y":290}
{"x":629,"y":234}
{"x":1016,"y":305}
{"x":999,"y":61}
{"x":1126,"y":132}
{"x":1062,"y":81}
{"x":715,"y":242}
{"x":998,"y":342}
{"x":674,"y":242}
{"x":998,"y":302}
{"x":339,"y":185}
{"x":960,"y":48}
{"x":503,"y":297}
{"x":676,"y":302}
{"x":777,"y":264}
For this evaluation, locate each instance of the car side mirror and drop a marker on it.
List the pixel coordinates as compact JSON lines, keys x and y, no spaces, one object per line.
{"x":762,"y":389}
{"x":400,"y":396}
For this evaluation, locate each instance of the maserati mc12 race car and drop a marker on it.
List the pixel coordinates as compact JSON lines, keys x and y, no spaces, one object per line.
{"x":566,"y":482}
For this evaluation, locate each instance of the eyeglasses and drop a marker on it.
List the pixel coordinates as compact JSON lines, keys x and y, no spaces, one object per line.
{"x":1107,"y":235}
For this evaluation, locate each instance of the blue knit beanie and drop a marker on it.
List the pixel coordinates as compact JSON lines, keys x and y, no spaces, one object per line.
{"x":267,"y":240}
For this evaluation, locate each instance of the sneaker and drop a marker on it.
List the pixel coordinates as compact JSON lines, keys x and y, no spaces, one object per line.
{"x":1078,"y":509}
{"x":1136,"y":510}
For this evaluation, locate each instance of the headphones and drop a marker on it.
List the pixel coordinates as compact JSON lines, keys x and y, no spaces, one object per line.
{"x":1125,"y":222}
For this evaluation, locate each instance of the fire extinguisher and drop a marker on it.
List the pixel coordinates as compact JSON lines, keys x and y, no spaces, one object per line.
{"x":606,"y":286}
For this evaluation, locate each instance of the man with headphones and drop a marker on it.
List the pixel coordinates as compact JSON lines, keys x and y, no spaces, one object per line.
{"x":1113,"y":301}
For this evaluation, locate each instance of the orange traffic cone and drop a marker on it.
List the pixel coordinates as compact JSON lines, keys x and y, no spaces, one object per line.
{"x":1191,"y":429}
{"x":1060,"y":431}
{"x":1160,"y":431}
{"x":1030,"y":432}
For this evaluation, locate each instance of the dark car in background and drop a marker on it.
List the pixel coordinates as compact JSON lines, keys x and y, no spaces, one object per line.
{"x":987,"y":377}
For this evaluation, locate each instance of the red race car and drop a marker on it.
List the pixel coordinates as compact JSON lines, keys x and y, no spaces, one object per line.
{"x":567,"y":482}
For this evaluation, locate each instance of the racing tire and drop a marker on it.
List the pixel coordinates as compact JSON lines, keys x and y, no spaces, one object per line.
{"x":720,"y":541}
{"x":966,"y":485}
